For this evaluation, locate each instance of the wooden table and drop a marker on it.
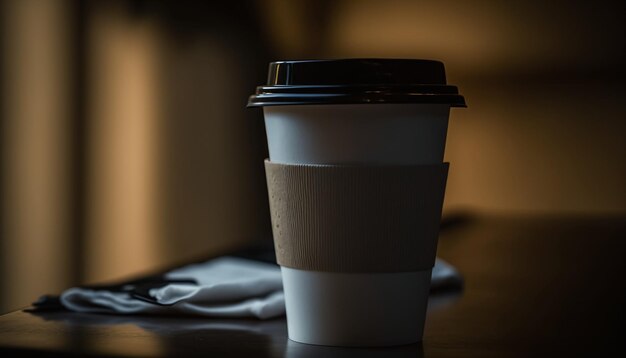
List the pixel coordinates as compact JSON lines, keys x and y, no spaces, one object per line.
{"x":535,"y":286}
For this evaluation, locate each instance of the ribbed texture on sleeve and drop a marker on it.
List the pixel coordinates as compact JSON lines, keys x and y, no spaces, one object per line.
{"x":356,"y":218}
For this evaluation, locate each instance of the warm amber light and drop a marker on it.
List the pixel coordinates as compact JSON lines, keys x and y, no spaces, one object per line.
{"x":122,"y":229}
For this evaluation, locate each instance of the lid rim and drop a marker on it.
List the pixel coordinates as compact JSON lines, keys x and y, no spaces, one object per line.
{"x":281,"y":100}
{"x":356,"y":81}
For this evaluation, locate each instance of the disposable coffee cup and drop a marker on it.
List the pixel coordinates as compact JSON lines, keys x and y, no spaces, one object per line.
{"x":356,"y":181}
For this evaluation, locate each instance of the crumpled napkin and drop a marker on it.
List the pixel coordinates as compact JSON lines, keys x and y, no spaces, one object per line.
{"x":222,"y":287}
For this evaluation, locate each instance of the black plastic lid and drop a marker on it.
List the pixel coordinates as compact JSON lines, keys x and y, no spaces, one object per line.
{"x":356,"y":81}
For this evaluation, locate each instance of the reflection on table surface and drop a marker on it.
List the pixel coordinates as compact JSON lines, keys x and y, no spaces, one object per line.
{"x":93,"y":334}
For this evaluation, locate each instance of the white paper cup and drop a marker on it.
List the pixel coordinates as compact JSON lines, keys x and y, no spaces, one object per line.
{"x":363,"y":112}
{"x":356,"y":309}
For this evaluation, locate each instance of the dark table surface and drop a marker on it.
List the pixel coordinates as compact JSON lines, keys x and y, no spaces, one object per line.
{"x":535,"y":286}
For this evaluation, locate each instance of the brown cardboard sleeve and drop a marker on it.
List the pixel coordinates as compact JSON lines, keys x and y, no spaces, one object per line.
{"x":356,"y":218}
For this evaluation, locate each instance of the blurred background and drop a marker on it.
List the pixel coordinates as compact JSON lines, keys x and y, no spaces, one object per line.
{"x":125,"y":145}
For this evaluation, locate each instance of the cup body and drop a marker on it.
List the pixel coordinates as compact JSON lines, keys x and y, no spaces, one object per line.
{"x":356,"y":309}
{"x":391,"y":134}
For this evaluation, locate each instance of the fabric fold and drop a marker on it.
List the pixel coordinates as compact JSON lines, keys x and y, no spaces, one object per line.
{"x":224,"y":287}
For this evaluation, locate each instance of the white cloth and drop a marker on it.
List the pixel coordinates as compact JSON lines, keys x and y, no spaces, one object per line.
{"x":226,"y":287}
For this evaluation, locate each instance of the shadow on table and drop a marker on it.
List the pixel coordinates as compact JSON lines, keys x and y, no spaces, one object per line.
{"x":106,"y":335}
{"x":300,"y":350}
{"x":113,"y":335}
